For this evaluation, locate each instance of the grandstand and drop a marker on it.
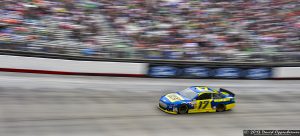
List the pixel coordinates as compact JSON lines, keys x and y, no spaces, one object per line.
{"x":200,"y":30}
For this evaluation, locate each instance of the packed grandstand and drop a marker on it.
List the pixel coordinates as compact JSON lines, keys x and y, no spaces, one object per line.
{"x":201,"y":30}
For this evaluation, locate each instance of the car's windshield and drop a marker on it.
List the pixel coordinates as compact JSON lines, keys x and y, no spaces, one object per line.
{"x":188,"y":93}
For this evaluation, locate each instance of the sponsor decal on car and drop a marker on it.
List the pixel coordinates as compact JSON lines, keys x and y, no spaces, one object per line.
{"x":173,"y":97}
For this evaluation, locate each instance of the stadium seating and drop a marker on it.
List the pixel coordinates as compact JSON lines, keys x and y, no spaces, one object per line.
{"x":209,"y":30}
{"x":214,"y":27}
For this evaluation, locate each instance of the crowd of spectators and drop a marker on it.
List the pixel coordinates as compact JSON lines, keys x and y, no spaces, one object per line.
{"x":194,"y":29}
{"x":58,"y":26}
{"x":158,"y":29}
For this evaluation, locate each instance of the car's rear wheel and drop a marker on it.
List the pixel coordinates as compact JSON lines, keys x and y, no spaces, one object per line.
{"x":183,"y":109}
{"x":221,"y":108}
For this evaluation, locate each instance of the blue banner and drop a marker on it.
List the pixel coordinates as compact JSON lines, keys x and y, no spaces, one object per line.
{"x":196,"y":72}
{"x":227,"y":73}
{"x":188,"y":71}
{"x":163,"y":71}
{"x":258,"y":73}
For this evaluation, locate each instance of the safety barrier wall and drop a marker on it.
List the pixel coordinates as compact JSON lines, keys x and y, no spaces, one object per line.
{"x":61,"y":66}
{"x":145,"y":68}
{"x":286,"y":72}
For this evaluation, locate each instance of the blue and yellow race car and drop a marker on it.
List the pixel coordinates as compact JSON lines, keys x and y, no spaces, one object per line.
{"x":197,"y":99}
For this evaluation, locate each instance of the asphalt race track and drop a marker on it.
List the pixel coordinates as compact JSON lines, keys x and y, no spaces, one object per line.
{"x":54,"y":105}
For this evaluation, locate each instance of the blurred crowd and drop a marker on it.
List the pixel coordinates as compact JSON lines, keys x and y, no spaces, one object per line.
{"x":212,"y":30}
{"x":195,"y":27}
{"x":49,"y":25}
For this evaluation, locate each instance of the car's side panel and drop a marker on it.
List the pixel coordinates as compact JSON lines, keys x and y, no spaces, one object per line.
{"x":202,"y":106}
{"x":226,"y":101}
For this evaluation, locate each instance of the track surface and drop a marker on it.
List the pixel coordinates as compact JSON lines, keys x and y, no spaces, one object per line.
{"x":48,"y":105}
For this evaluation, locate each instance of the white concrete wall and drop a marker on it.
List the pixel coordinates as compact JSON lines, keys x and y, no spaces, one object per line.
{"x":102,"y":67}
{"x":286,"y":72}
{"x":34,"y":63}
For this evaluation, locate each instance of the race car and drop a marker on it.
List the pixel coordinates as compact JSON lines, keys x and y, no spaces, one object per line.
{"x":197,"y":99}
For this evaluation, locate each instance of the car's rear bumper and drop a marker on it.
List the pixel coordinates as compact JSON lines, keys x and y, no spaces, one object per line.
{"x":166,"y":111}
{"x":230,"y":106}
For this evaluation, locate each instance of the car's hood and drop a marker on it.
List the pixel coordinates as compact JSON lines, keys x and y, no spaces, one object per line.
{"x":173,"y":98}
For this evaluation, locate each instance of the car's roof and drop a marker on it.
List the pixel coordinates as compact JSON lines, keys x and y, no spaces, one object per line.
{"x":200,"y":89}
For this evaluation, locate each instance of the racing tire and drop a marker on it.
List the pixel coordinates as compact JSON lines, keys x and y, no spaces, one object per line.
{"x":220,"y":108}
{"x":183,"y":109}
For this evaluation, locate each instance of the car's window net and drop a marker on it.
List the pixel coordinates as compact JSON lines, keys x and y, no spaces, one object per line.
{"x":204,"y":96}
{"x":217,"y":96}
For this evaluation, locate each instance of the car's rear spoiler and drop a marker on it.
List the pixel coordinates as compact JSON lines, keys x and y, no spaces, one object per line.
{"x":226,"y":91}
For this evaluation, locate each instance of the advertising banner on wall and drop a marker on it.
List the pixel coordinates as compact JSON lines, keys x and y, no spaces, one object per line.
{"x":163,"y":71}
{"x":196,"y":71}
{"x":258,"y":73}
{"x":228,"y":72}
{"x":192,"y":71}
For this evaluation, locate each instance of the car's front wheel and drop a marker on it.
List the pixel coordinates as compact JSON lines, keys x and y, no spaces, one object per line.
{"x":221,"y":108}
{"x":183,"y":109}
